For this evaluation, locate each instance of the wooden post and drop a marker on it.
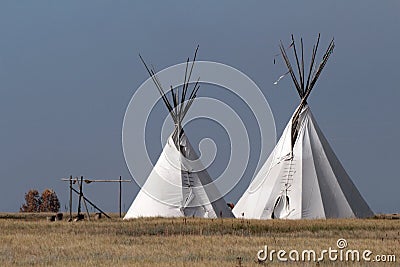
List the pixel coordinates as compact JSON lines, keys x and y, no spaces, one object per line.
{"x":87,"y":210}
{"x":120,"y":196}
{"x":80,"y":197}
{"x":70,"y":197}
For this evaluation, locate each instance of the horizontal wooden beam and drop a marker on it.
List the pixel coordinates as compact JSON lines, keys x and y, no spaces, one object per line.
{"x":93,"y":181}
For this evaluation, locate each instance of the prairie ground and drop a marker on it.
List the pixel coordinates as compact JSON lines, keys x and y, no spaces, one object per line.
{"x":29,"y":239}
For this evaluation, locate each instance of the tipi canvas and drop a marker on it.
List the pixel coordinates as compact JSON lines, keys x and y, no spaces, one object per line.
{"x":178,"y":185}
{"x":302,"y":178}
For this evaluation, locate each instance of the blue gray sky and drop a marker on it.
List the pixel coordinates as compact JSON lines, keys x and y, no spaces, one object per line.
{"x":68,"y":70}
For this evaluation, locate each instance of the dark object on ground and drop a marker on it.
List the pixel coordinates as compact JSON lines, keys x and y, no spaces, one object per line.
{"x":97,"y":216}
{"x":51,"y":218}
{"x":80,"y":217}
{"x":59,"y":216}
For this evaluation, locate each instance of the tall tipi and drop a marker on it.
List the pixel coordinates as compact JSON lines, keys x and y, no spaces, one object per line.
{"x":178,"y":185}
{"x":302,"y":178}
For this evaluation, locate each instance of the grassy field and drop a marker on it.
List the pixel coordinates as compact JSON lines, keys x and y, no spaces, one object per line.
{"x":32,"y":240}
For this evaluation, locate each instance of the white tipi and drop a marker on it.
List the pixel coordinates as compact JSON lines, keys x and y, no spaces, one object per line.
{"x":178,"y":185}
{"x":302,"y":178}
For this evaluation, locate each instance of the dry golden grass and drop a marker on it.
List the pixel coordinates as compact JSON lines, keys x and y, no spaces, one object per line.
{"x":31,"y":240}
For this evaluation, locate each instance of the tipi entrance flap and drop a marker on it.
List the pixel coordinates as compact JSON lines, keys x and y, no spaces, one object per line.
{"x":281,"y":209}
